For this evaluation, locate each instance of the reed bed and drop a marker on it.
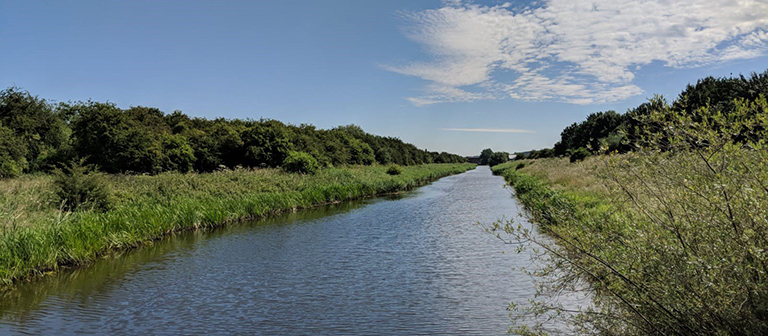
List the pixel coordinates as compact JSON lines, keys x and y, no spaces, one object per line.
{"x":667,"y":243}
{"x":37,"y":236}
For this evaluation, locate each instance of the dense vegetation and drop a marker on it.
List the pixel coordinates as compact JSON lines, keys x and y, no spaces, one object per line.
{"x":36,"y":235}
{"x":105,"y":177}
{"x":491,"y":158}
{"x":669,"y":238}
{"x":36,"y":135}
{"x":609,"y":131}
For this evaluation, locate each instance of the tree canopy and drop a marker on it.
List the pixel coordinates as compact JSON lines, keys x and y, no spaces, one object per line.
{"x":36,"y":135}
{"x":609,"y":131}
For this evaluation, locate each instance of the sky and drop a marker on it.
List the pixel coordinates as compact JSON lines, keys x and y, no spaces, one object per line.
{"x":455,"y":76}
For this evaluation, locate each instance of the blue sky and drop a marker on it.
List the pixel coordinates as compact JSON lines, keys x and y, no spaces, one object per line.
{"x":509,"y":76}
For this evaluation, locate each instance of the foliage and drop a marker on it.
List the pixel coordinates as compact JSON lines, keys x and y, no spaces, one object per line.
{"x":12,"y":154}
{"x":300,"y":162}
{"x":38,"y":131}
{"x":39,"y":136}
{"x":579,"y":155}
{"x":674,"y":241}
{"x":148,"y":207}
{"x":587,"y":134}
{"x":498,"y":158}
{"x":609,"y":132}
{"x":485,"y":155}
{"x":540,"y":154}
{"x":394,"y":170}
{"x":178,"y":155}
{"x":78,"y":187}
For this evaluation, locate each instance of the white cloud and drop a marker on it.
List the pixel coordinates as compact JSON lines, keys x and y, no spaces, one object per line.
{"x":575,"y":51}
{"x":488,"y":130}
{"x":437,"y":93}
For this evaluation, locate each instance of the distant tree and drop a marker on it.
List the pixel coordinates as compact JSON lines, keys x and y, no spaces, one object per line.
{"x":383,"y":156}
{"x":134,"y":140}
{"x":485,"y":155}
{"x":579,"y":155}
{"x":361,"y":152}
{"x":720,"y":94}
{"x":178,"y":154}
{"x":39,"y":129}
{"x":267,"y":143}
{"x":35,"y":135}
{"x":542,"y":153}
{"x":300,"y":162}
{"x":101,"y":133}
{"x":498,"y":158}
{"x":588,"y":133}
{"x":12,"y":153}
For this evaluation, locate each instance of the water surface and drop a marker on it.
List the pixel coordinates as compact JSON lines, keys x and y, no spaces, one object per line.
{"x":413,"y":264}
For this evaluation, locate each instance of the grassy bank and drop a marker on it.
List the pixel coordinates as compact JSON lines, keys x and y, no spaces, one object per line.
{"x":36,"y":236}
{"x":668,"y":244}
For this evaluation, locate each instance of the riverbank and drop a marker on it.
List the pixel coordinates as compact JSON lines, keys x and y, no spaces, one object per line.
{"x":36,"y":237}
{"x":667,"y":243}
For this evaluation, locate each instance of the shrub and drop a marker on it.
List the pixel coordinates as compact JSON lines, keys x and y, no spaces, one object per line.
{"x":9,"y":167}
{"x":178,"y":154}
{"x":394,"y":170}
{"x":79,"y":186}
{"x":498,"y":158}
{"x":671,"y":243}
{"x":579,"y":154}
{"x":520,"y":166}
{"x":300,"y":162}
{"x":12,"y":151}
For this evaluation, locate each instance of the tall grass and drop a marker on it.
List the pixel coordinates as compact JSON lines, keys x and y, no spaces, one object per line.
{"x":38,"y":236}
{"x":668,"y":242}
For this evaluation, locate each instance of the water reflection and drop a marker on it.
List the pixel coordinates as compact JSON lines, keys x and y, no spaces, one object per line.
{"x":414,"y":263}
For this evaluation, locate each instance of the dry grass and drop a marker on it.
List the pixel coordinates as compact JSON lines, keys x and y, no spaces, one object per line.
{"x":26,"y":201}
{"x":563,"y":174}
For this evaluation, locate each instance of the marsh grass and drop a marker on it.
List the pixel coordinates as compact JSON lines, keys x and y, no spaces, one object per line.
{"x":668,"y":241}
{"x":37,"y":235}
{"x":560,"y":172}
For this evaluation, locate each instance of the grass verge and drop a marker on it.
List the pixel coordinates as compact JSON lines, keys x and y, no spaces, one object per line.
{"x":666,"y":243}
{"x":37,"y":237}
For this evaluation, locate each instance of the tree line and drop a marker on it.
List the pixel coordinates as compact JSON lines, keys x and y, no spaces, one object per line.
{"x":491,"y":158}
{"x":39,"y":136}
{"x":610,"y":132}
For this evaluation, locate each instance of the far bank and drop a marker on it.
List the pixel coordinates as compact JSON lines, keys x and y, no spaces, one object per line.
{"x":36,"y":236}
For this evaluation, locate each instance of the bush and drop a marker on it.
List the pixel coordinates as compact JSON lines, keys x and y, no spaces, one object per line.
{"x":300,"y":162}
{"x":78,"y":187}
{"x":394,"y":170}
{"x":12,"y":152}
{"x":9,"y":167}
{"x":579,"y":154}
{"x":498,"y":158}
{"x":179,"y":156}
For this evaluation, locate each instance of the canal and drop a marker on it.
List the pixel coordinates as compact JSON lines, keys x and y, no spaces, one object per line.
{"x":416,"y":263}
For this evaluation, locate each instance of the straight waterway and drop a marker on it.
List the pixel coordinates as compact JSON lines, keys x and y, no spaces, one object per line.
{"x":416,"y":263}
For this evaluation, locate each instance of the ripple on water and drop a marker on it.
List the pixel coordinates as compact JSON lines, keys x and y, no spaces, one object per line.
{"x":412,"y":264}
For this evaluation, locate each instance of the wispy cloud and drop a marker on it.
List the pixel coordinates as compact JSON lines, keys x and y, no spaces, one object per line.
{"x":576,"y":51}
{"x":489,"y":130}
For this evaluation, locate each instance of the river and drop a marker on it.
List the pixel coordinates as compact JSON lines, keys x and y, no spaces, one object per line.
{"x":410,"y":264}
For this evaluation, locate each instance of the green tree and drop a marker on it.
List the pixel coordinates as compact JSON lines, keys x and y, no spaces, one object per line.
{"x":267,"y":143}
{"x":300,"y":162}
{"x":360,"y":152}
{"x":34,"y":122}
{"x":498,"y":158}
{"x":178,"y":154}
{"x":12,"y":153}
{"x":485,"y":155}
